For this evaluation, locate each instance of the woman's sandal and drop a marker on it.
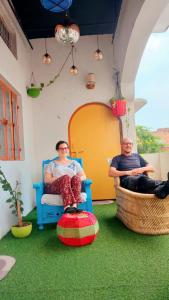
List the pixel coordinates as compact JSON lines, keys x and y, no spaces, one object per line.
{"x":78,"y":210}
{"x":70,"y":210}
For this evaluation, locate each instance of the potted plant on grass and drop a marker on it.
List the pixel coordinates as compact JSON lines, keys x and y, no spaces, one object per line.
{"x":118,"y":102}
{"x":22,"y":229}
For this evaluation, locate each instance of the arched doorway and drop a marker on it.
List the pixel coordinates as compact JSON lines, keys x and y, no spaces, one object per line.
{"x":94,"y":135}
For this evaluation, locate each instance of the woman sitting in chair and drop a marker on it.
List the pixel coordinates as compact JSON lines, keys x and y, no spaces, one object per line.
{"x":64,"y":176}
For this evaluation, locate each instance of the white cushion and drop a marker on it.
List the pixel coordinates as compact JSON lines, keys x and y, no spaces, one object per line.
{"x":51,"y":199}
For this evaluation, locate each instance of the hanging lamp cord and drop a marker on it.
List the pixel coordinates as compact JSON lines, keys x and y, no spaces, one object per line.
{"x":117,"y":84}
{"x":72,"y":54}
{"x":97,"y":41}
{"x":45,"y":46}
{"x":59,"y":72}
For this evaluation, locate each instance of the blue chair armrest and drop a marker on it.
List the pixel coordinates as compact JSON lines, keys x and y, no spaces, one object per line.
{"x":86,"y":187}
{"x":87,"y":182}
{"x":39,"y":187}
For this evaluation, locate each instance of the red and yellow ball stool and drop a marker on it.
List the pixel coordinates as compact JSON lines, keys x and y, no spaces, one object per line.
{"x":77,"y":229}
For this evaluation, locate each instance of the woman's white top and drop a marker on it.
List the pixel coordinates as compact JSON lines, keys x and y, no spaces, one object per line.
{"x":57,"y":170}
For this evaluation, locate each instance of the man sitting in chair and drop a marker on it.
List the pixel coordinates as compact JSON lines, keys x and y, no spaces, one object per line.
{"x":132,"y":170}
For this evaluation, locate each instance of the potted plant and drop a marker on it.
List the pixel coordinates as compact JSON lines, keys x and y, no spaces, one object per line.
{"x":118,"y":102}
{"x":22,"y":229}
{"x":34,"y":91}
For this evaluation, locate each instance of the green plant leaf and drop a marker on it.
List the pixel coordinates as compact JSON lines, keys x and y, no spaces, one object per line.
{"x":9,"y":200}
{"x":12,"y":205}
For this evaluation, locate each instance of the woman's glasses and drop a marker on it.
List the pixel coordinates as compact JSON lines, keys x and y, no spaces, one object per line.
{"x":63,"y":148}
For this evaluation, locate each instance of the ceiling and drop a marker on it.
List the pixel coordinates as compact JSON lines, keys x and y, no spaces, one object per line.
{"x":92,"y":16}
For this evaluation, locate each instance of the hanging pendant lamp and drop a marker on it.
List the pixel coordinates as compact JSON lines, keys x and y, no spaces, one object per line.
{"x":73,"y":69}
{"x":98,"y":55}
{"x":46,"y":57}
{"x":67,"y":32}
{"x":56,"y":5}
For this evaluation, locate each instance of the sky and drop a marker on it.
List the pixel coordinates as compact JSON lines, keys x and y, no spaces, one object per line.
{"x":152,"y":83}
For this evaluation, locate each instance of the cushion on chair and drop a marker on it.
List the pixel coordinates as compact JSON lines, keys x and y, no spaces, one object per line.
{"x":51,"y":199}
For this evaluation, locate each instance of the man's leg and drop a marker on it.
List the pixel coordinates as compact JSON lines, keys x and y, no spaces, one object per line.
{"x":141,"y":183}
{"x":162,"y":191}
{"x":130,"y":183}
{"x":147,"y":185}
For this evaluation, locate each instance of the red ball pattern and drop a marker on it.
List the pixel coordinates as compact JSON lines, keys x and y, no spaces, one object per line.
{"x":77,"y":229}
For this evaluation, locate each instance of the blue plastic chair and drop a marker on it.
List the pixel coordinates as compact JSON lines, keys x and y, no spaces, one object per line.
{"x":46,"y":213}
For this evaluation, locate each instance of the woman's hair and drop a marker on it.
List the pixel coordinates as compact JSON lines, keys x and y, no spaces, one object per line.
{"x":60,"y":143}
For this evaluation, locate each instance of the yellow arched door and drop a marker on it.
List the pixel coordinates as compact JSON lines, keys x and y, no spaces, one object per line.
{"x":94,"y":135}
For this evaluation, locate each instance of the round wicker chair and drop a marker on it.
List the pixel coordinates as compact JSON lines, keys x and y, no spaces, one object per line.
{"x":142,"y":213}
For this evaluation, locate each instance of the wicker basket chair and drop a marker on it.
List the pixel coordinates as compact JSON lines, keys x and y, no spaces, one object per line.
{"x":142,"y":213}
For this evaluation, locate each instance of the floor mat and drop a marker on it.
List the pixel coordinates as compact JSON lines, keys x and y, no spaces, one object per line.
{"x":6,"y":264}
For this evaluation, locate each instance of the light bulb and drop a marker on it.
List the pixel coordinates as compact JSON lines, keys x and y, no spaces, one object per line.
{"x":98,"y":55}
{"x":46,"y":59}
{"x":73,"y":70}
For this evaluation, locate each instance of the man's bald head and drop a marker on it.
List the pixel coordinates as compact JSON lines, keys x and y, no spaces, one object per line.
{"x":126,"y":146}
{"x":126,"y":140}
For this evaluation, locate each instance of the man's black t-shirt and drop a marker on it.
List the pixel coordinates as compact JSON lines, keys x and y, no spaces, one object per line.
{"x":127,"y":163}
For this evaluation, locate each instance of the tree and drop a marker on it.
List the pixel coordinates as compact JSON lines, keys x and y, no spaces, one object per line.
{"x":146,"y":141}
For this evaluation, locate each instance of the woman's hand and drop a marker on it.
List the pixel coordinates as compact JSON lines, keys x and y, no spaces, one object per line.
{"x":82,"y":176}
{"x":49,"y":178}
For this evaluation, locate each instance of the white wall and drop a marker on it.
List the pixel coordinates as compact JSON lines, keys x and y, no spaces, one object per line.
{"x":53,"y":109}
{"x":160,"y":162}
{"x":16,"y":73}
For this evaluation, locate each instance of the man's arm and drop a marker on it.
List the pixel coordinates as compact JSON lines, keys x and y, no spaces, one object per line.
{"x":141,"y":170}
{"x":113,"y":172}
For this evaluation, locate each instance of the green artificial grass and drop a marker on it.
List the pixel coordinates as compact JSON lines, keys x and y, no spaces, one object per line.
{"x":119,"y":264}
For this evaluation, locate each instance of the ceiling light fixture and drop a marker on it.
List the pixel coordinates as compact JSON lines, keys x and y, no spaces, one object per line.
{"x":98,"y":55}
{"x":67,"y":32}
{"x":46,"y":57}
{"x":73,"y":69}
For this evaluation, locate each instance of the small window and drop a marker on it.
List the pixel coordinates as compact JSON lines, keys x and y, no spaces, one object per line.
{"x":8,"y":36}
{"x":9,"y":124}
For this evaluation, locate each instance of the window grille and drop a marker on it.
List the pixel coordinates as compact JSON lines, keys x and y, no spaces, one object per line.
{"x":8,"y":37}
{"x":9,"y":124}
